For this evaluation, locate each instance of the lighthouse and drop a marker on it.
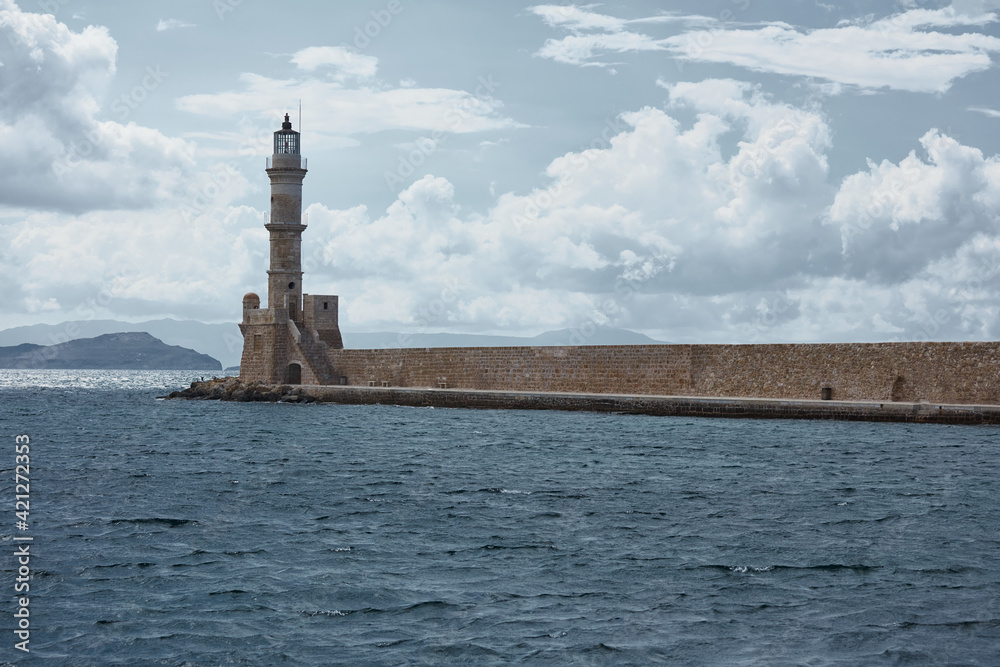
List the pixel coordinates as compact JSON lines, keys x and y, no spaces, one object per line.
{"x":287,"y":169}
{"x":288,"y":341}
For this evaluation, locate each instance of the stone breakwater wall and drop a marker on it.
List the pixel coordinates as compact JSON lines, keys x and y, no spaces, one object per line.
{"x":232,"y":389}
{"x":950,"y":373}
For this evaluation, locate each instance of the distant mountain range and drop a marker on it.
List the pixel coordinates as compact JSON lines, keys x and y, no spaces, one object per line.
{"x":598,"y":336}
{"x":120,"y":351}
{"x":225,"y":342}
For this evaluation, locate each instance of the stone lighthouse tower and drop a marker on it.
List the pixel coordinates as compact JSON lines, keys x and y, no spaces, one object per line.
{"x":288,"y":341}
{"x":286,"y":169}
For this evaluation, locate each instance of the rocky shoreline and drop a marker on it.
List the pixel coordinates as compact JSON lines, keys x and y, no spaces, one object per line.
{"x":234,"y":389}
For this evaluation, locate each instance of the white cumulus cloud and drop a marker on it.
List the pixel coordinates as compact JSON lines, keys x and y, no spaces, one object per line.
{"x":897,"y":219}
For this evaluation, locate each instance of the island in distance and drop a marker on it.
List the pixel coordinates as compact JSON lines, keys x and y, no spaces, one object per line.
{"x":115,"y":351}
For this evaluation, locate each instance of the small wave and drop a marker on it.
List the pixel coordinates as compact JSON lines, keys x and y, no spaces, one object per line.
{"x":330,"y":613}
{"x":185,"y":565}
{"x":743,"y":569}
{"x":155,"y":521}
{"x":832,"y":567}
{"x":829,"y":567}
{"x":465,"y":653}
{"x":497,"y":489}
{"x":955,"y":569}
{"x":550,"y":635}
{"x":546,"y":596}
{"x":491,"y":547}
{"x":564,"y":496}
{"x":142,"y":565}
{"x":601,"y":648}
{"x":989,"y":623}
{"x":430,"y":604}
{"x":390,"y":644}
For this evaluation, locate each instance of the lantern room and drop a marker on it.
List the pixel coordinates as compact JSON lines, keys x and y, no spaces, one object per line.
{"x":286,"y":140}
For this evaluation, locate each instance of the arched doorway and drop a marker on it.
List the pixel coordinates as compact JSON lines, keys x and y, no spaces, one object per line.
{"x":294,"y":373}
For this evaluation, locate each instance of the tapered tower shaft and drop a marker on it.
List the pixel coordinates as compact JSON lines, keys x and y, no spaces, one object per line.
{"x":286,"y":168}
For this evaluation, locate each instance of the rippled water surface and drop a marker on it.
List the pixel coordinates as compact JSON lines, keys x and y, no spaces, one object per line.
{"x":203,"y":533}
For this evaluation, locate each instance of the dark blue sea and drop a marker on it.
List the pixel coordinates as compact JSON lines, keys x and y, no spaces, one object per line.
{"x":206,"y":533}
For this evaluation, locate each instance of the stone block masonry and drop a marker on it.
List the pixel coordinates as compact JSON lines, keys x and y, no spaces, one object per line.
{"x":951,"y":373}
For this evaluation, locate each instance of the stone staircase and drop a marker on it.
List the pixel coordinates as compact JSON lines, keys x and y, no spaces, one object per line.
{"x":314,"y":354}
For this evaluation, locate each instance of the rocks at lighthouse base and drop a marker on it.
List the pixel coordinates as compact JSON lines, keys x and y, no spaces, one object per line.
{"x":233,"y":389}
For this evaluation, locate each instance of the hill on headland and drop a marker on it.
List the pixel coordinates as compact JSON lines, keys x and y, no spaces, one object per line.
{"x":119,"y":351}
{"x":220,"y":341}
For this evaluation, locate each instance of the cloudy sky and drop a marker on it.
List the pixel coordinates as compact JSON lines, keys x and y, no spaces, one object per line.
{"x":698,"y":170}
